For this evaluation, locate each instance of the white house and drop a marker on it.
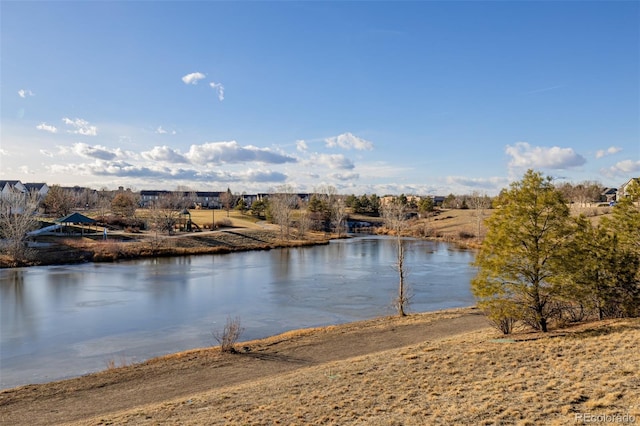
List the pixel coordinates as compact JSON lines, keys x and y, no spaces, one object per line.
{"x":8,"y":187}
{"x":42,"y":189}
{"x":623,"y":191}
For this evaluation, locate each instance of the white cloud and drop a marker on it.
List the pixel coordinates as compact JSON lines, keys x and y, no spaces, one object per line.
{"x":345,"y":176}
{"x":487,"y":183}
{"x":125,"y":169}
{"x":4,"y":152}
{"x":23,"y":93}
{"x":609,"y":151}
{"x":201,"y":163}
{"x":80,"y":127}
{"x":335,"y":161}
{"x":623,"y":168}
{"x":162,"y":131}
{"x":219,"y":88}
{"x":261,"y":176}
{"x":301,"y":145}
{"x":164,"y":153}
{"x":525,"y":156}
{"x":47,"y":128}
{"x":96,"y":151}
{"x":232,"y":152}
{"x":193,"y":78}
{"x":348,"y":141}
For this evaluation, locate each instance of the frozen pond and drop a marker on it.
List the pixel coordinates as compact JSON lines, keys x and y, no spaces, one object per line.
{"x":65,"y":321}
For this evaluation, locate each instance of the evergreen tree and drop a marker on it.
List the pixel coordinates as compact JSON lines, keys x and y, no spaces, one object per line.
{"x":603,"y":273}
{"x":625,"y":223}
{"x":426,"y":205}
{"x":521,"y":259}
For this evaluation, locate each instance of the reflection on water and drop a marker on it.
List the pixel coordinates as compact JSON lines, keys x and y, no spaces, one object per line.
{"x":64,"y":321}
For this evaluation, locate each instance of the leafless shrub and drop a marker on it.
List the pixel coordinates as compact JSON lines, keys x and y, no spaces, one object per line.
{"x":112,"y":364}
{"x":574,"y":312}
{"x":229,"y":336}
{"x":466,"y":235}
{"x":226,"y":222}
{"x":502,"y":314}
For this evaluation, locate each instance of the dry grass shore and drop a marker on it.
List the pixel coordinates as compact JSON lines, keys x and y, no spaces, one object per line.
{"x":588,"y":372}
{"x":445,"y":368}
{"x":123,"y":246}
{"x":468,"y":379}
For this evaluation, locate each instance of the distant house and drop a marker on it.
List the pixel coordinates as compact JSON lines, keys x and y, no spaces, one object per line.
{"x":16,"y":187}
{"x":148,"y":197}
{"x":203,"y":199}
{"x":8,"y":187}
{"x":42,"y":189}
{"x":609,"y":195}
{"x":437,"y":199}
{"x":623,"y":191}
{"x":249,"y":199}
{"x":208,"y":199}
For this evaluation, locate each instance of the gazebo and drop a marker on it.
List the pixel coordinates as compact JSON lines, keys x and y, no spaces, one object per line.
{"x":74,"y":218}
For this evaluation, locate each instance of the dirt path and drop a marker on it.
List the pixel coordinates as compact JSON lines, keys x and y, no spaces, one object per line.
{"x":196,"y":371}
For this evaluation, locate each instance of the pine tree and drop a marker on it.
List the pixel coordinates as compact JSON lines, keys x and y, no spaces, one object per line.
{"x":520,"y":263}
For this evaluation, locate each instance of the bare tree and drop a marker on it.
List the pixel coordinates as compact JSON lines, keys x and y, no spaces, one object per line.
{"x":395,"y":219}
{"x":479,"y":203}
{"x":339,"y":214}
{"x":104,"y":202}
{"x":167,"y":210}
{"x":58,"y":201}
{"x":228,"y":200}
{"x":124,"y":204}
{"x":304,"y":219}
{"x":17,"y":219}
{"x":331,"y":208}
{"x":281,"y":205}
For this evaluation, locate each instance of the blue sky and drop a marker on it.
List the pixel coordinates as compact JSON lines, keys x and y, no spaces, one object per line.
{"x":376,"y":97}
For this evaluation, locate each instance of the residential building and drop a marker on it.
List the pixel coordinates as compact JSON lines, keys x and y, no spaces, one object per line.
{"x":623,"y":191}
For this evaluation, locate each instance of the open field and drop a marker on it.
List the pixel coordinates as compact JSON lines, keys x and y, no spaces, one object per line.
{"x":463,"y":227}
{"x":204,"y":217}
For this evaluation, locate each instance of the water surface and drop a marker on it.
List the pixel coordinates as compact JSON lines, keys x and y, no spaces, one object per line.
{"x":65,"y":321}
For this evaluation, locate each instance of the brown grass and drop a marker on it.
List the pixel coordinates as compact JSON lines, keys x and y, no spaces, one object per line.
{"x":469,"y":379}
{"x":460,"y":226}
{"x":237,"y":219}
{"x":122,"y":245}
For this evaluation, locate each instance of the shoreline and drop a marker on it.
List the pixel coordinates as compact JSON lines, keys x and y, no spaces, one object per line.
{"x":453,"y":228}
{"x":442,"y":367}
{"x":123,"y":246}
{"x":256,"y":358}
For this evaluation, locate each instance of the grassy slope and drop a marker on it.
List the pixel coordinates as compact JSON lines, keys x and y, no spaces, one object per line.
{"x":467,"y":379}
